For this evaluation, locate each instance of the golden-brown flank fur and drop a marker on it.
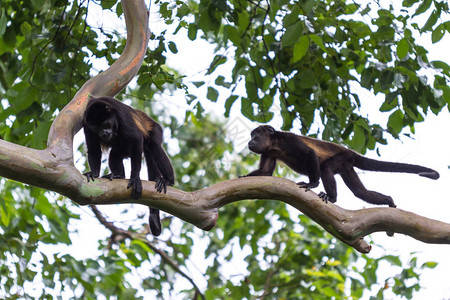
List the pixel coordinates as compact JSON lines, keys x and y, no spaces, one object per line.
{"x":142,"y":122}
{"x":323,"y":149}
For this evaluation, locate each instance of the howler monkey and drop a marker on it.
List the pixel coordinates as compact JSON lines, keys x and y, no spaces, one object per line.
{"x":110,"y":124}
{"x":320,"y":159}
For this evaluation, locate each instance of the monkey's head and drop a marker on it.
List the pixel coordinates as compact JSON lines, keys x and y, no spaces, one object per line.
{"x":261,"y":139}
{"x":108,"y":129}
{"x":101,"y":118}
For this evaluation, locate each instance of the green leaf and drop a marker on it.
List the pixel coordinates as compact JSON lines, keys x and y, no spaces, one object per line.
{"x":307,"y":5}
{"x":220,"y":80}
{"x":402,"y":48}
{"x":301,"y":48}
{"x":217,"y":61}
{"x":229,"y":103}
{"x":395,"y":122}
{"x":292,"y":17}
{"x":212,"y":94}
{"x":438,"y":33}
{"x":437,"y":64}
{"x":308,"y":79}
{"x":394,"y":260}
{"x":359,"y":138}
{"x":25,"y":28}
{"x":423,"y":7}
{"x":107,"y":4}
{"x":173,"y":47}
{"x":232,"y":34}
{"x":429,"y":264}
{"x":430,"y":22}
{"x":198,"y":83}
{"x":351,"y":8}
{"x":318,"y":41}
{"x":192,"y":31}
{"x":3,"y":22}
{"x":292,"y":34}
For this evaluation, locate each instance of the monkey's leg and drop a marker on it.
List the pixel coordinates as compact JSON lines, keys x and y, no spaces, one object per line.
{"x":115,"y":163}
{"x":329,"y":183}
{"x":353,"y":182}
{"x":313,"y":171}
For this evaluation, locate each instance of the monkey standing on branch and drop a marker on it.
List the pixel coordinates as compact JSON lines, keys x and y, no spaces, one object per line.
{"x":320,"y":159}
{"x":110,"y":124}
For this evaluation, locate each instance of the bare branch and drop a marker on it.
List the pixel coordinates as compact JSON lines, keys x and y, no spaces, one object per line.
{"x":116,"y":231}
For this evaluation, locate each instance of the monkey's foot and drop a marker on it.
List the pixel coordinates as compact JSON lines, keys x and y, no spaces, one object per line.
{"x":161,"y":184}
{"x":307,"y":185}
{"x":326,"y":198}
{"x":90,"y":175}
{"x":136,"y":187}
{"x":112,"y":176}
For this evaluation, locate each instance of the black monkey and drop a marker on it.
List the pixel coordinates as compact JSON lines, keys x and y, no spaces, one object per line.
{"x":321,"y":159}
{"x":110,"y":124}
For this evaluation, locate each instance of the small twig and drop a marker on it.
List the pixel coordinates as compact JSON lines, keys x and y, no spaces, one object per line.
{"x":116,"y":231}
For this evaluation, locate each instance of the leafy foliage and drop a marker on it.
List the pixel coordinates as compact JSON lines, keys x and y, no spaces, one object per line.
{"x":311,"y":58}
{"x":308,"y":58}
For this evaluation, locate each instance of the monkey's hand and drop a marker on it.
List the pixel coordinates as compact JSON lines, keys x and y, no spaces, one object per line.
{"x":136,"y":187}
{"x":91,"y":175}
{"x":326,"y":198}
{"x":307,"y":185}
{"x":112,"y":176}
{"x":161,"y":184}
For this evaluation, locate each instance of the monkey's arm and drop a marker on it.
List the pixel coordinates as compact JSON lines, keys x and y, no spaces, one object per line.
{"x":266,"y":166}
{"x":136,"y":160}
{"x":94,"y":154}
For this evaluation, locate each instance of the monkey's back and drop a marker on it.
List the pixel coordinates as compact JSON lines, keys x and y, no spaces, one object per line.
{"x":143,"y":122}
{"x":323,"y":149}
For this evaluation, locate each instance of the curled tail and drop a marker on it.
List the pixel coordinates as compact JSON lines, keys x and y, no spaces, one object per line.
{"x":369,"y":164}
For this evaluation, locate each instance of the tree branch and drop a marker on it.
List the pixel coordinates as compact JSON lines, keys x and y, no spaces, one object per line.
{"x":201,"y":207}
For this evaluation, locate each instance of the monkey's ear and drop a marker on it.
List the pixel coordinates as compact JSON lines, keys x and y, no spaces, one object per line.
{"x":270,"y":130}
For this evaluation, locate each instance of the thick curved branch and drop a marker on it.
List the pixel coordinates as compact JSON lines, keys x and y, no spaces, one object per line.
{"x":109,"y":82}
{"x":350,"y":226}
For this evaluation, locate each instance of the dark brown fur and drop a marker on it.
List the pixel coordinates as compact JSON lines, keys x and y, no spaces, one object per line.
{"x":110,"y":124}
{"x":321,"y":160}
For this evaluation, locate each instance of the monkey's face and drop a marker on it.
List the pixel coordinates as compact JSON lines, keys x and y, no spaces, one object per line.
{"x":108,"y":130}
{"x":259,"y":143}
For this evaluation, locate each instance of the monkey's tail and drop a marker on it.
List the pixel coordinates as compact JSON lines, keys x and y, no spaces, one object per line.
{"x":154,"y":221}
{"x":369,"y":164}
